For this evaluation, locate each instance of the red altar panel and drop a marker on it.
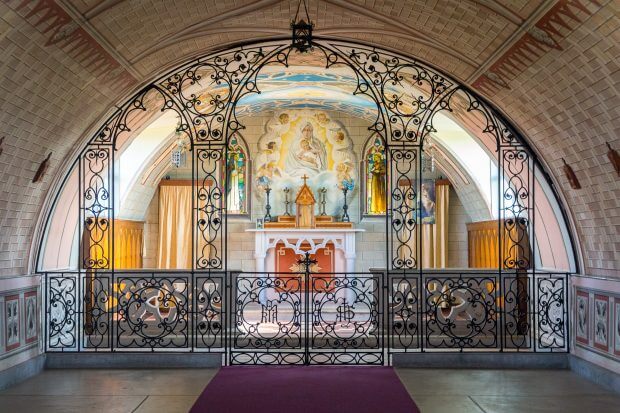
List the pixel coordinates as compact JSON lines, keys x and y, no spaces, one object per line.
{"x":286,"y":261}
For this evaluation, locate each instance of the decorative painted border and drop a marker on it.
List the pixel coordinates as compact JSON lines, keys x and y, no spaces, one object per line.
{"x":34,"y":337}
{"x":64,"y":32}
{"x":579,"y":338}
{"x":544,"y":36}
{"x":616,"y":326}
{"x":8,"y":299}
{"x":604,"y":299}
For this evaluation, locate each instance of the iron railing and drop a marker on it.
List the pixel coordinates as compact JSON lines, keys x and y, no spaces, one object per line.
{"x":306,"y":318}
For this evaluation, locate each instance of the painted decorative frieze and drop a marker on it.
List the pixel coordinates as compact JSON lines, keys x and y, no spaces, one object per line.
{"x":30,"y":318}
{"x":11,"y":311}
{"x":601,"y":322}
{"x":581,"y":316}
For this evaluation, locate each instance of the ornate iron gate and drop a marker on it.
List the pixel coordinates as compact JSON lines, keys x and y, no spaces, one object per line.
{"x":307,"y":318}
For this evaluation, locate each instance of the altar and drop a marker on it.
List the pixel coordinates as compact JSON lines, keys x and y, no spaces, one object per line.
{"x":305,"y":240}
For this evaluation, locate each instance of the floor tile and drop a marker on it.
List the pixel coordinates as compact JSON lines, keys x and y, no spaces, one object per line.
{"x":446,"y":404}
{"x":71,"y":404}
{"x":168,"y":404}
{"x":180,"y":382}
{"x":564,"y":404}
{"x":496,"y":382}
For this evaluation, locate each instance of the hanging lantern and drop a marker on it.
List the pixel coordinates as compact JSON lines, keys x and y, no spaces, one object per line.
{"x":178,"y":156}
{"x":302,"y":30}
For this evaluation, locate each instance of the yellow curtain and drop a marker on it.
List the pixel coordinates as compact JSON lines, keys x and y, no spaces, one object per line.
{"x":435,"y":236}
{"x":128,"y":243}
{"x":483,"y":244}
{"x":175,"y":227}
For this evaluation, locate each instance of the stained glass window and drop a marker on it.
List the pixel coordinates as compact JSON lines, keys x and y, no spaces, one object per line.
{"x":375,"y":178}
{"x":236,"y":177}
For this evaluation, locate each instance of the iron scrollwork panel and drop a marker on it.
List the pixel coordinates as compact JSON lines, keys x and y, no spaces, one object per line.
{"x":404,"y":312}
{"x":461,"y":312}
{"x":96,"y":207}
{"x":406,"y":90}
{"x":209,"y":209}
{"x":403,"y":210}
{"x":209,"y":312}
{"x":551,"y":312}
{"x":152,"y":311}
{"x":517,"y":305}
{"x":345,"y":317}
{"x":98,"y":306}
{"x":268,"y":312}
{"x":516,"y":210}
{"x":207,"y":87}
{"x":62,"y":329}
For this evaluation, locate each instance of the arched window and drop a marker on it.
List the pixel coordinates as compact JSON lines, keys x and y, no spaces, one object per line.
{"x":236,"y":176}
{"x":375,"y":169}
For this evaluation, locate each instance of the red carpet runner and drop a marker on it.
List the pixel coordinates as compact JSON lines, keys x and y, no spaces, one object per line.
{"x":300,"y":389}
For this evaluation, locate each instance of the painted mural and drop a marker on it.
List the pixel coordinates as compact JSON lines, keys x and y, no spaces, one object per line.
{"x":306,"y":143}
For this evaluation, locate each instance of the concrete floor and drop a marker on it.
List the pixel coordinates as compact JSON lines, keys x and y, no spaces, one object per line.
{"x":434,"y":390}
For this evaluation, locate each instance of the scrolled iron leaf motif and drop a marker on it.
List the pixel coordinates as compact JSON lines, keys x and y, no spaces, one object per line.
{"x":407,"y":90}
{"x":209,"y":209}
{"x":62,"y":308}
{"x":403,"y":207}
{"x":98,"y":307}
{"x":461,"y":312}
{"x":517,"y":315}
{"x":404,"y":312}
{"x":152,"y":312}
{"x":267,"y":312}
{"x":209,"y":312}
{"x":516,"y":207}
{"x":354,"y":325}
{"x":96,"y":206}
{"x":551,"y":313}
{"x":225,"y":72}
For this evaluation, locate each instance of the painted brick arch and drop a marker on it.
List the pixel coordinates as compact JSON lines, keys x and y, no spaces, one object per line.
{"x":565,"y":100}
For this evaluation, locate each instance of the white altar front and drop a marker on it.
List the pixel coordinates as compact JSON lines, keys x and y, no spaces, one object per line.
{"x":343,"y":240}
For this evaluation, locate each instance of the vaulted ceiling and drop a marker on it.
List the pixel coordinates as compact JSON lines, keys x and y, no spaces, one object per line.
{"x":551,"y":66}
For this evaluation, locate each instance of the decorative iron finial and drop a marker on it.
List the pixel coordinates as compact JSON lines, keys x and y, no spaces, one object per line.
{"x":302,"y":30}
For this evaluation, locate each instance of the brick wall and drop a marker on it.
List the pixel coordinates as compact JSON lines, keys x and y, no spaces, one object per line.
{"x":566,"y":103}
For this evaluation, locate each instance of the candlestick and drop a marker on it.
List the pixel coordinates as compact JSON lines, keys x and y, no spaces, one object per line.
{"x":286,"y":202}
{"x":322,"y":192}
{"x":345,"y":207}
{"x":267,"y":217}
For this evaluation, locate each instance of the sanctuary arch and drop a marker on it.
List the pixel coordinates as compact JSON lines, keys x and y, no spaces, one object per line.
{"x":335,"y":205}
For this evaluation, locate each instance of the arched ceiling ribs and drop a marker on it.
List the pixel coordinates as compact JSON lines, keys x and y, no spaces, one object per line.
{"x":191,"y":31}
{"x":101,"y":7}
{"x":348,"y":30}
{"x":391,"y":22}
{"x":173,"y":40}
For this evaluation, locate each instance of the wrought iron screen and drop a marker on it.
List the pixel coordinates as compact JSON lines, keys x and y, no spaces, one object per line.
{"x":297,"y":316}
